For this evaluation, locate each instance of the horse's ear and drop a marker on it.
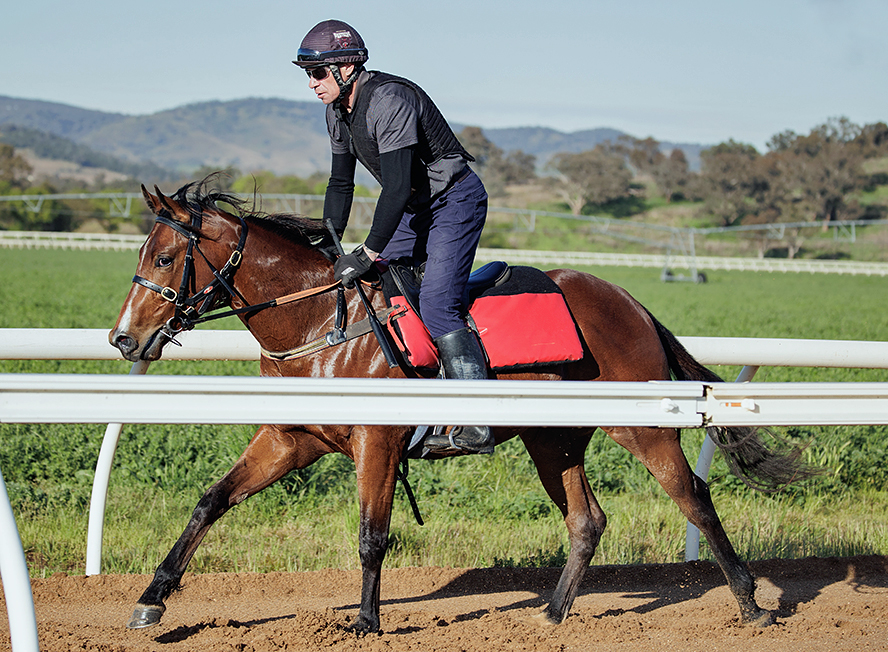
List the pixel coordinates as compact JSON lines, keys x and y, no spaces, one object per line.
{"x":172,"y":206}
{"x":151,"y":200}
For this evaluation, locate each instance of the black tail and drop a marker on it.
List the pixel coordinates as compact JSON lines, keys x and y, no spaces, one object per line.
{"x":747,"y":455}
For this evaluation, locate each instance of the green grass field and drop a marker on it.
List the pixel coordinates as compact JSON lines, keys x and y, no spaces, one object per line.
{"x":480,"y":511}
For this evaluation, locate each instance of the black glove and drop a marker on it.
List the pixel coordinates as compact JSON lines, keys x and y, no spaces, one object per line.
{"x":349,"y":267}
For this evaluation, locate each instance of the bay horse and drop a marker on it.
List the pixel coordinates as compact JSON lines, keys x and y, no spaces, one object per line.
{"x":198,"y":246}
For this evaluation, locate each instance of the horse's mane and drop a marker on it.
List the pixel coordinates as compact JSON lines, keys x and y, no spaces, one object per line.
{"x":197,"y":198}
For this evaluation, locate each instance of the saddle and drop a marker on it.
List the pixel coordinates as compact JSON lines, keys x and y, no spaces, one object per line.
{"x":518,"y":312}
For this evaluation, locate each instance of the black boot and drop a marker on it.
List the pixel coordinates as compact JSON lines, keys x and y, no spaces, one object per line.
{"x":462,"y":358}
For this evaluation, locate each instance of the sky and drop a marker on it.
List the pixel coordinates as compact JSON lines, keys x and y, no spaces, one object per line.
{"x":688,"y":71}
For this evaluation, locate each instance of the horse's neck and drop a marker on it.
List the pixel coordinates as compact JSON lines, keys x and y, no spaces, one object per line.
{"x":274,"y":267}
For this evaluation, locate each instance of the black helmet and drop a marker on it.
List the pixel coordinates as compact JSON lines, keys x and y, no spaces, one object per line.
{"x":331,"y":41}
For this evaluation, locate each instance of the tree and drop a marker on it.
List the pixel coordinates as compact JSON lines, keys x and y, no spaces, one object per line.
{"x":595,"y":176}
{"x":518,"y":168}
{"x":873,"y":140}
{"x":671,"y":174}
{"x":778,"y":198}
{"x":729,"y":181}
{"x":807,"y":178}
{"x":825,"y":166}
{"x":493,"y":165}
{"x":480,"y":147}
{"x":14,"y":170}
{"x":643,"y":154}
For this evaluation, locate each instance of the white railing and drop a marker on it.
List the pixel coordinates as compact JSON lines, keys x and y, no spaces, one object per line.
{"x":592,"y":259}
{"x":53,"y":240}
{"x":92,"y":344}
{"x":117,"y":242}
{"x":37,"y":398}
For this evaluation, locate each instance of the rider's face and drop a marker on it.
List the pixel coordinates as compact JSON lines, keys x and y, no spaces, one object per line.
{"x":327,"y":89}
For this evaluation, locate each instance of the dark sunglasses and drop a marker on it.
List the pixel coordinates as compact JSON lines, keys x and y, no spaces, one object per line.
{"x":318,"y":73}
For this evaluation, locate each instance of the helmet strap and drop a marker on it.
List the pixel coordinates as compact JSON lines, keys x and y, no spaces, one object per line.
{"x":344,"y":84}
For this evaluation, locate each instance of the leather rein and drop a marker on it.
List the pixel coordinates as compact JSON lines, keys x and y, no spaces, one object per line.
{"x":192,"y":305}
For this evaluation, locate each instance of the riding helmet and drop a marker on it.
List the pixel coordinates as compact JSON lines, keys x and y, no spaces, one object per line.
{"x":331,"y":41}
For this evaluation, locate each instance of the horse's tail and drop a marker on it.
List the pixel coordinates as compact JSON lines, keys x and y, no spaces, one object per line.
{"x":747,"y":455}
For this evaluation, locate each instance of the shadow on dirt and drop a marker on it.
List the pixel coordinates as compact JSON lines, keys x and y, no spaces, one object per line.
{"x":661,"y":585}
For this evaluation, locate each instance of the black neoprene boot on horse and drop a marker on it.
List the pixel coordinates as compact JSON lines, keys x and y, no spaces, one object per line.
{"x":462,"y":358}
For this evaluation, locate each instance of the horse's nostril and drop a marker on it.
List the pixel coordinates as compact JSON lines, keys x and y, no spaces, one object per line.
{"x":125,"y":343}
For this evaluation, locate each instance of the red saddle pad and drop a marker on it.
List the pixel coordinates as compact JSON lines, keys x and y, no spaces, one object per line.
{"x":522,"y":323}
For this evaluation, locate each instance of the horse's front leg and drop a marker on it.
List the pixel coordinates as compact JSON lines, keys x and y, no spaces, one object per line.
{"x":271,"y":454}
{"x":376,"y":464}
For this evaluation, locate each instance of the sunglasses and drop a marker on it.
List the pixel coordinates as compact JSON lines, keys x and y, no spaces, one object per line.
{"x":318,"y":73}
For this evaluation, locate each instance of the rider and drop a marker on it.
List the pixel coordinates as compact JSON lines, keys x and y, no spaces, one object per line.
{"x":432,"y":206}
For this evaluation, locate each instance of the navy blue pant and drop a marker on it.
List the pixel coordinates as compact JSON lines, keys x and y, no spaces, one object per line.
{"x":444,"y":236}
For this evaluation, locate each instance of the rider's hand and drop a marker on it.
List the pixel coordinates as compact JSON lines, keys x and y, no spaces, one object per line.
{"x":349,"y":267}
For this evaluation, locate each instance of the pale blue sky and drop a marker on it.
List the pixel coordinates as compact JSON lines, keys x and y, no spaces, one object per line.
{"x":680,"y":70}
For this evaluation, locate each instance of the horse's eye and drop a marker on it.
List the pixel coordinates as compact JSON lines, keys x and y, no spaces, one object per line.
{"x":163,"y":261}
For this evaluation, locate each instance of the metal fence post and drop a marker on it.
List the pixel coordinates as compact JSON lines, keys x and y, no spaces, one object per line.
{"x":16,"y":581}
{"x":96,"y":526}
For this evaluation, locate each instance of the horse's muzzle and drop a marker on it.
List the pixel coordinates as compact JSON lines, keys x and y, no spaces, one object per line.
{"x":130,"y":348}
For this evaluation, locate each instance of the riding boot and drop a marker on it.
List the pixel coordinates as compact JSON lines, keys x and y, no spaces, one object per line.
{"x":461,"y":357}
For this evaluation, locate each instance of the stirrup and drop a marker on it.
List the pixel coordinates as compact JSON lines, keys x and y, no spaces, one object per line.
{"x":438,"y":442}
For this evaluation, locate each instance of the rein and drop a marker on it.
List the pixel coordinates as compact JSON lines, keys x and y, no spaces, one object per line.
{"x":191,"y":309}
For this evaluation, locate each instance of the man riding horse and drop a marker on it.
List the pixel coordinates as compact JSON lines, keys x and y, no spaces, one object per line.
{"x":432,"y":206}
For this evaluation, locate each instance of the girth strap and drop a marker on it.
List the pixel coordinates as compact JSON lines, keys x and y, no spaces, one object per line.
{"x":358,"y":329}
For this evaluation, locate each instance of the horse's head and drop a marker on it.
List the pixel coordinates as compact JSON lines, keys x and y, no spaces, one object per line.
{"x":177,"y":278}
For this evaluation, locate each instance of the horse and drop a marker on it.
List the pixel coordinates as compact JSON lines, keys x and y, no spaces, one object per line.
{"x":270,"y":270}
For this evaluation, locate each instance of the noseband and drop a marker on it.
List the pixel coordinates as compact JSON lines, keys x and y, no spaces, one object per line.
{"x":191,"y":305}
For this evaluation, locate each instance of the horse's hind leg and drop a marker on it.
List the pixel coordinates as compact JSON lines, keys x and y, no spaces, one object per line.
{"x":270,"y":455}
{"x":659,"y":450}
{"x":558,"y":455}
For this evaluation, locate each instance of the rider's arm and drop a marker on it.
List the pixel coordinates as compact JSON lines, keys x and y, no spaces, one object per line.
{"x":395,"y":167}
{"x":340,"y":190}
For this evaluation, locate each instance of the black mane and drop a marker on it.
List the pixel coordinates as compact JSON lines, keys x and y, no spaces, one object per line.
{"x":197,"y":197}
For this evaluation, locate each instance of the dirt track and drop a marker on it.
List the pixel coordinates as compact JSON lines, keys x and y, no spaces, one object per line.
{"x":822,"y":604}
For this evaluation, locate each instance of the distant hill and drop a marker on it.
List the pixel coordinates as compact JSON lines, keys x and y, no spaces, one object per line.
{"x":59,"y":119}
{"x":250,"y":134}
{"x":46,"y":145}
{"x":544,"y":142}
{"x":283,"y":136}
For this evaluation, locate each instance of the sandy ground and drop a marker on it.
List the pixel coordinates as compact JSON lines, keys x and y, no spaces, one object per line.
{"x":821,"y":604}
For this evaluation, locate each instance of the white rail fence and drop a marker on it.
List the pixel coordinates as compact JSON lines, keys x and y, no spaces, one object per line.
{"x":120,"y":242}
{"x":63,"y":398}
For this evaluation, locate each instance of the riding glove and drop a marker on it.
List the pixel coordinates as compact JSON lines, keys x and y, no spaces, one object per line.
{"x":349,"y":267}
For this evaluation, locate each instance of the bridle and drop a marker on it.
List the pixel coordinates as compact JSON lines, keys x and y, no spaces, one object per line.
{"x":192,"y":305}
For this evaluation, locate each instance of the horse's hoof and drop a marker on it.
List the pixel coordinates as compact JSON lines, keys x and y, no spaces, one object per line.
{"x":145,"y":615}
{"x":763,"y":618}
{"x":362,"y":625}
{"x":542,"y":619}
